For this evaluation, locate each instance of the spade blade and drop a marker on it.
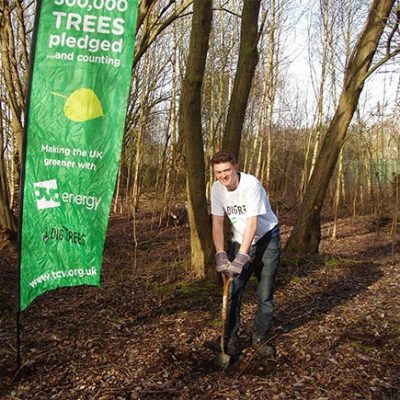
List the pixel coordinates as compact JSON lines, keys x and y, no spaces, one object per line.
{"x":223,"y":360}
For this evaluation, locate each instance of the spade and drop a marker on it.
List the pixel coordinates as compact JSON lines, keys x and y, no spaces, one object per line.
{"x":222,"y":358}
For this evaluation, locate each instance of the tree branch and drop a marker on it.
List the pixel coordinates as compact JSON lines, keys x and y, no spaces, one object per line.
{"x":381,"y":62}
{"x":150,"y":37}
{"x":144,"y":8}
{"x":393,"y":31}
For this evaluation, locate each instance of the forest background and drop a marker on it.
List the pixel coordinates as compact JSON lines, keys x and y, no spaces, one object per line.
{"x":303,"y":50}
{"x":276,"y":79}
{"x":294,"y":88}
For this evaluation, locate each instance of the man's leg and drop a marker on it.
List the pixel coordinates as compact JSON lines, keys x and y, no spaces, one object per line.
{"x":270,"y":257}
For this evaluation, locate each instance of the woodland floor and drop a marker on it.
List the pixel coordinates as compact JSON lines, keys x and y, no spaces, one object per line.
{"x":141,"y":335}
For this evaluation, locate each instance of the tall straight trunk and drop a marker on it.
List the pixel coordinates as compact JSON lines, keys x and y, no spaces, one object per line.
{"x":136,"y":174}
{"x":7,"y":218}
{"x":163,"y":172}
{"x":258,"y":148}
{"x":369,"y":177}
{"x":248,"y":59}
{"x":8,"y":221}
{"x":359,"y":184}
{"x":357,"y":187}
{"x":171,"y":131}
{"x":221,"y":98}
{"x":212,"y":134}
{"x":306,"y":235}
{"x":190,"y":125}
{"x":320,"y":103}
{"x":11,"y":78}
{"x":338,"y":195}
{"x":128,"y":179}
{"x":272,"y":77}
{"x":24,"y":44}
{"x":117,"y":199}
{"x":339,"y":186}
{"x":143,"y":118}
{"x":304,"y":179}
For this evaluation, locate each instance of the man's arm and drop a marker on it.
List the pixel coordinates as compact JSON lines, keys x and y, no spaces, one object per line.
{"x":248,"y":234}
{"x":242,"y":256}
{"x":218,"y":232}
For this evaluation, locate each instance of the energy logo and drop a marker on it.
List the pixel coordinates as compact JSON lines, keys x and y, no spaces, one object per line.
{"x":46,"y":194}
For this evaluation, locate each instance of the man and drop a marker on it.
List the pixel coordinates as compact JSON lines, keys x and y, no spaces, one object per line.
{"x":255,"y":245}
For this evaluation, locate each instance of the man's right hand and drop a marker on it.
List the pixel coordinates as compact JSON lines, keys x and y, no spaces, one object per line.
{"x":236,"y":266}
{"x":221,"y":261}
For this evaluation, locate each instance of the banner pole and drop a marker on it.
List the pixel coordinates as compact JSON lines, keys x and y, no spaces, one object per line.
{"x":22,"y":179}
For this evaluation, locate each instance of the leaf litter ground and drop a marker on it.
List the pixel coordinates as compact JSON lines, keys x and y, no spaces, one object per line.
{"x":141,"y":335}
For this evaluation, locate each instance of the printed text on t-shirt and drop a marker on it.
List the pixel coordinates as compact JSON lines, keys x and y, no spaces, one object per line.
{"x":236,"y":210}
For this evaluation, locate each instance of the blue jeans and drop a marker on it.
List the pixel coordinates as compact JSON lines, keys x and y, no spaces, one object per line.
{"x":265,"y":257}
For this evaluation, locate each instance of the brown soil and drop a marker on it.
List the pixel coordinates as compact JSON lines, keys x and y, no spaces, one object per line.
{"x":141,"y":335}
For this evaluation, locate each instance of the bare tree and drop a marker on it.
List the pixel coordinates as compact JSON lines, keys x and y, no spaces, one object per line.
{"x":248,"y":59}
{"x":158,"y":25}
{"x":306,"y":235}
{"x":190,"y":126}
{"x":13,"y":76}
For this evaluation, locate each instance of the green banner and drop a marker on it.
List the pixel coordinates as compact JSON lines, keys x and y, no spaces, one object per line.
{"x":78,"y":100}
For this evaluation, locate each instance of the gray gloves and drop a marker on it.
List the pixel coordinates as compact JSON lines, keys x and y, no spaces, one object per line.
{"x":238,"y":263}
{"x":221,"y":260}
{"x":235,"y":267}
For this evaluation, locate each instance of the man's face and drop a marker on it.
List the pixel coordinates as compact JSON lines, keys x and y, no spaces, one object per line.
{"x":227,"y":174}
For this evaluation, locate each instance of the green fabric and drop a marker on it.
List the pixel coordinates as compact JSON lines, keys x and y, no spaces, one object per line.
{"x":80,"y":86}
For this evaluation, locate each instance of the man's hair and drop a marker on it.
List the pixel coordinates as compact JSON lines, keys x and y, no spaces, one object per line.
{"x":223,"y":156}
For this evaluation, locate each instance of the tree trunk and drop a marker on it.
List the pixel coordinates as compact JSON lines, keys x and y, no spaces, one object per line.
{"x":271,"y":76}
{"x":140,"y":134}
{"x":117,"y":199}
{"x":170,"y":172}
{"x":8,"y":221}
{"x":306,"y":235}
{"x":211,"y":146}
{"x":12,"y":81}
{"x":190,"y":120}
{"x":338,"y":196}
{"x":248,"y":59}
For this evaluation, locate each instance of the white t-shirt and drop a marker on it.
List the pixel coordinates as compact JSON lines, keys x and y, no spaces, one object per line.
{"x":249,"y":199}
